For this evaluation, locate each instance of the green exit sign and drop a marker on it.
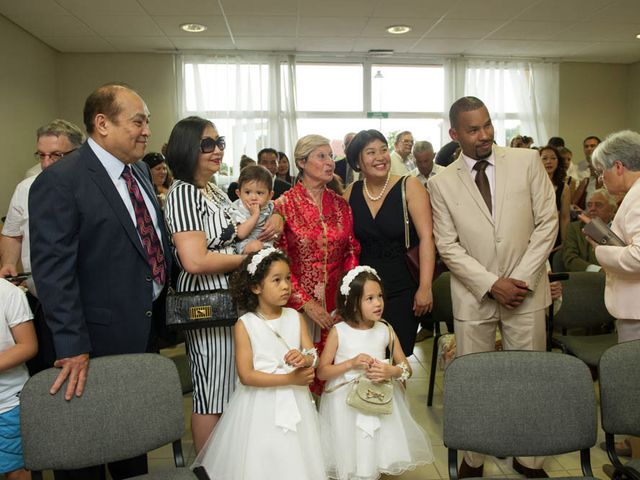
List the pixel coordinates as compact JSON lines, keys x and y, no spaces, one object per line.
{"x":377,"y":114}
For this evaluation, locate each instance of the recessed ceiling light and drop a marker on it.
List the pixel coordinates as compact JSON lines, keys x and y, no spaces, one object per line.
{"x":193,"y":27}
{"x":398,"y":29}
{"x":638,"y":36}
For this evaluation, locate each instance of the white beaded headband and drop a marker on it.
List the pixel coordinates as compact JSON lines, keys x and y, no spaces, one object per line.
{"x":258,"y":258}
{"x":345,"y":286}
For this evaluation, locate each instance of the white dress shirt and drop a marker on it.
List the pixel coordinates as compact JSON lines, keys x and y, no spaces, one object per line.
{"x":114,"y":168}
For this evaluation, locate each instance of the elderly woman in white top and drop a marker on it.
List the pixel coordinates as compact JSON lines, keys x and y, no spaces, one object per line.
{"x":618,"y":160}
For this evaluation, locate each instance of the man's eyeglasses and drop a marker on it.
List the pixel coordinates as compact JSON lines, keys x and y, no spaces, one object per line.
{"x":208,"y":144}
{"x":55,"y":156}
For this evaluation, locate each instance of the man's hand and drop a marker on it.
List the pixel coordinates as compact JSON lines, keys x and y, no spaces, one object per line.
{"x":75,"y":369}
{"x":556,"y":290}
{"x":8,"y":270}
{"x":509,"y":292}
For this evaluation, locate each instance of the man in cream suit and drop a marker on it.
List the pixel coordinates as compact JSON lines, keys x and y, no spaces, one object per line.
{"x":495,"y":223}
{"x":618,"y":158}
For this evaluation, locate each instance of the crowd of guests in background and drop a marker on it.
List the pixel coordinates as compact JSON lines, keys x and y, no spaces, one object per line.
{"x":105,"y":234}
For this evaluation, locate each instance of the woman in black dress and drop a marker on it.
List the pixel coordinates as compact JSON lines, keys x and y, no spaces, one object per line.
{"x":376,"y":201}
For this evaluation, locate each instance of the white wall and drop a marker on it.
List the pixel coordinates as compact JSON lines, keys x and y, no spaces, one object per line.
{"x":594,"y":100}
{"x":27,"y":101}
{"x":151,"y":75}
{"x":633,"y":97}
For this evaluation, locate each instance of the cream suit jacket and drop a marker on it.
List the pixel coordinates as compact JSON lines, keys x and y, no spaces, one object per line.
{"x":478,"y":249}
{"x":622,"y":264}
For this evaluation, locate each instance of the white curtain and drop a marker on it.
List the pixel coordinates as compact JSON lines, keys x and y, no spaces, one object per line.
{"x":251,"y":99}
{"x":523,"y":90}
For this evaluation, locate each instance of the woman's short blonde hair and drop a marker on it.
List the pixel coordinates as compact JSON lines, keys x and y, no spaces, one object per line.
{"x":306,"y":145}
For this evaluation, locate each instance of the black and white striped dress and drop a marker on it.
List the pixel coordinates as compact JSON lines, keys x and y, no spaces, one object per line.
{"x":210,"y":350}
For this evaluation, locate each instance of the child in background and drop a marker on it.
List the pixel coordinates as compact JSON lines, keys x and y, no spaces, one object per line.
{"x":355,"y":444}
{"x":269,"y":430}
{"x":17,"y":345}
{"x":253,"y":207}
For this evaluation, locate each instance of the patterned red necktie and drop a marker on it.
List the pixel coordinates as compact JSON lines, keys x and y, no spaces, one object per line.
{"x":150,"y":241}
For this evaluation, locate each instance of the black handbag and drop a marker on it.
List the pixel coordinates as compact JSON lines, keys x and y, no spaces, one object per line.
{"x":209,"y":308}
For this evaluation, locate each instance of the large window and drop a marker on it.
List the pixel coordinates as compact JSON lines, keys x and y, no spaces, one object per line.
{"x":334,"y":99}
{"x":239,"y":96}
{"x":272,"y":100}
{"x":412,"y":88}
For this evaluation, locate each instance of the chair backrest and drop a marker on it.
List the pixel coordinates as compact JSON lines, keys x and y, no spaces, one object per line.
{"x":620,"y":388}
{"x":557,"y":263}
{"x":131,"y":404}
{"x":583,"y":302}
{"x":442,"y":306}
{"x":519,"y":403}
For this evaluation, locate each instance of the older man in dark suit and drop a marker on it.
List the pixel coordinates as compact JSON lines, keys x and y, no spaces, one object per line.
{"x":98,"y":247}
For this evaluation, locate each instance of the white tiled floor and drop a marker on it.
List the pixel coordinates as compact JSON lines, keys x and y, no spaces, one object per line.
{"x":431,"y":420}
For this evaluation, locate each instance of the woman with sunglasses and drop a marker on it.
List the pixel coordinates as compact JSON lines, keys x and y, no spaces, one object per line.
{"x":199,"y":219}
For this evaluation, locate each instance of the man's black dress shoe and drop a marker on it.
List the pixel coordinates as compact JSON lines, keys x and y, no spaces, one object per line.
{"x":467,"y":471}
{"x":529,"y":472}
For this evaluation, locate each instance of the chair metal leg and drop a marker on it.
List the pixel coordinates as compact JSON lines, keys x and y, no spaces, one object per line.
{"x":453,"y":464}
{"x":585,"y":462}
{"x":550,"y":328}
{"x":178,"y":457}
{"x":437,"y":333}
{"x":432,"y":374}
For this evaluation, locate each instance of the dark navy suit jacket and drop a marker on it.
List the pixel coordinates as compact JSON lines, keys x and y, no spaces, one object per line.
{"x":90,"y":269}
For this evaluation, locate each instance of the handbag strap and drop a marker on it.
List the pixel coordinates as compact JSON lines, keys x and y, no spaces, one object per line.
{"x":405,"y":213}
{"x":273,"y":330}
{"x":355,"y":379}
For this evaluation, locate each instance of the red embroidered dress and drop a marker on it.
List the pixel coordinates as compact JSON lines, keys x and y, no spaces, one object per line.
{"x":321,"y":247}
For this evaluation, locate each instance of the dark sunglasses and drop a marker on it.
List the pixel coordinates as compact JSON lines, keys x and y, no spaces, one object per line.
{"x":208,"y":144}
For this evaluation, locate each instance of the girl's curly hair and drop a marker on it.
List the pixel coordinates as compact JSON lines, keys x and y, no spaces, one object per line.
{"x":242,"y":281}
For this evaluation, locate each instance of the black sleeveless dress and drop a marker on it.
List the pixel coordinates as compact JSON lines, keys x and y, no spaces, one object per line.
{"x":383,"y":248}
{"x":559,"y":191}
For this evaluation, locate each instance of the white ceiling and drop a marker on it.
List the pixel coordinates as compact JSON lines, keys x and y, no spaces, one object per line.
{"x":573,"y":30}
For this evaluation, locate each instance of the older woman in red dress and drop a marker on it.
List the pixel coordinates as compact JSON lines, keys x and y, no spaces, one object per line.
{"x":318,"y":237}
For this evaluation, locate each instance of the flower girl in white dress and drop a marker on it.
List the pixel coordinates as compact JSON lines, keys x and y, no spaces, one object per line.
{"x":358,"y":445}
{"x":269,"y":429}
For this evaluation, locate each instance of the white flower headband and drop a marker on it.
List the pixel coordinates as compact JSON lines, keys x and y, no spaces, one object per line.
{"x":345,"y":286}
{"x":258,"y":258}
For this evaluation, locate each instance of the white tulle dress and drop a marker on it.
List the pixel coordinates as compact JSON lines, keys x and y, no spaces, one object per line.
{"x":359,"y":446}
{"x":267,"y":433}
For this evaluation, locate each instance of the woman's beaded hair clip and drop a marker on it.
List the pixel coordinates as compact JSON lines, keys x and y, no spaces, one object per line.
{"x":258,"y":258}
{"x":345,"y":286}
